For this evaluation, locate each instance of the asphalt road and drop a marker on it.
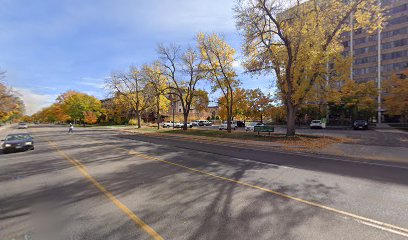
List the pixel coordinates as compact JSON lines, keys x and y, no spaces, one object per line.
{"x":96,"y":184}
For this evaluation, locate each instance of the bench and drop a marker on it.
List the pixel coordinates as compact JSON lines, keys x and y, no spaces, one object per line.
{"x":267,"y":129}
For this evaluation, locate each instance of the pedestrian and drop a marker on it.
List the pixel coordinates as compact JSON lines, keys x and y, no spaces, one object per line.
{"x":71,"y":128}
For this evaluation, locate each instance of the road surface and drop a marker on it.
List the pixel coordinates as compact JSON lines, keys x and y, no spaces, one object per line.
{"x":101,"y":184}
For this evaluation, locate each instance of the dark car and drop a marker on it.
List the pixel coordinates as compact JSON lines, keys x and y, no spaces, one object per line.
{"x":17,"y":142}
{"x":360,"y":124}
{"x":240,"y":124}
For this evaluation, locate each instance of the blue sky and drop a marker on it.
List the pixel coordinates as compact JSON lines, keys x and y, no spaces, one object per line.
{"x":48,"y":47}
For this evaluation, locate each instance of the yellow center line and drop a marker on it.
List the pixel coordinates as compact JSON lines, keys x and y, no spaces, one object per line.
{"x":139,"y":222}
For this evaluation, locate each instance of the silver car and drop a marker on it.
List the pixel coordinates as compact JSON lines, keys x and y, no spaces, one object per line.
{"x":22,"y":125}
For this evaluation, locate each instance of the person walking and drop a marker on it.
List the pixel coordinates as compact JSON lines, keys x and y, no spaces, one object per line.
{"x":71,"y":128}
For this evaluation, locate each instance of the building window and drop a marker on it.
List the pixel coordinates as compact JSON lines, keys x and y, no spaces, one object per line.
{"x":360,"y":40}
{"x":399,"y":9}
{"x":372,"y":38}
{"x":400,"y":31}
{"x":345,"y":44}
{"x":398,"y":20}
{"x":398,"y":43}
{"x":393,"y":55}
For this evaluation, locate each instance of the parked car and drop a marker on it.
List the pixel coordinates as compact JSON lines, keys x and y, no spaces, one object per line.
{"x":17,"y":141}
{"x":224,"y":126}
{"x":204,"y":123}
{"x":240,"y":124}
{"x":194,"y":123}
{"x":316,"y":124}
{"x":207,"y":123}
{"x":251,"y":126}
{"x":168,"y":124}
{"x":22,"y":125}
{"x":360,"y":124}
{"x":180,"y":125}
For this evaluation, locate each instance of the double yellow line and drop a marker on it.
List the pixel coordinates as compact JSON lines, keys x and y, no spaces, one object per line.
{"x":139,"y":222}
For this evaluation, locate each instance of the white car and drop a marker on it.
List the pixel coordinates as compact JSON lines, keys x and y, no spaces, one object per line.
{"x":317,"y":124}
{"x":22,"y":125}
{"x":194,"y":123}
{"x":180,"y":125}
{"x":168,"y":124}
{"x":251,"y":126}
{"x":224,"y":126}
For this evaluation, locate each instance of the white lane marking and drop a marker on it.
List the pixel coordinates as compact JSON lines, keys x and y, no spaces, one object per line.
{"x":383,"y":228}
{"x":263,"y":163}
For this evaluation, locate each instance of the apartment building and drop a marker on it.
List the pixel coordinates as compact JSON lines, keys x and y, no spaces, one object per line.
{"x":381,"y":54}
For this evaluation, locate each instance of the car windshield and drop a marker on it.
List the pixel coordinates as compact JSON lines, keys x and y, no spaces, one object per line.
{"x":316,"y":121}
{"x":17,"y":137}
{"x":360,"y":121}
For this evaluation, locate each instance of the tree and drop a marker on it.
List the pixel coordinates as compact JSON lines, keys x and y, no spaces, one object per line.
{"x":184,"y":70}
{"x":295,"y":40}
{"x":358,"y":98}
{"x":90,"y":117}
{"x":258,"y":103}
{"x":11,"y":107}
{"x":156,"y":87}
{"x":130,"y":86}
{"x":200,"y":102}
{"x":240,"y":106}
{"x":75,"y":104}
{"x":396,"y":101}
{"x":218,"y":59}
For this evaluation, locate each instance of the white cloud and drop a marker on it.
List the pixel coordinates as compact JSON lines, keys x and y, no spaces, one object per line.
{"x":35,"y":101}
{"x":93,"y":82}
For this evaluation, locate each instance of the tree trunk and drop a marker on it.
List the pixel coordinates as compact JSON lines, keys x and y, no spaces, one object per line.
{"x":185,"y":114}
{"x":290,"y":120}
{"x":228,"y":121}
{"x":137,"y":111}
{"x":158,"y":112}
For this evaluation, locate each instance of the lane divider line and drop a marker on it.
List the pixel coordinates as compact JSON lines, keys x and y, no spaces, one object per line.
{"x":368,"y":221}
{"x":139,"y":222}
